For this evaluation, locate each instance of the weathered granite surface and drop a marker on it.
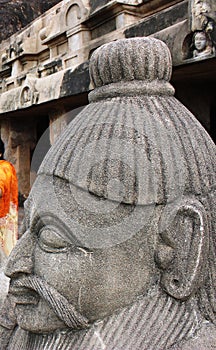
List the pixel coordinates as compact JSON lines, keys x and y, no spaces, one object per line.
{"x":16,"y":14}
{"x":176,"y":14}
{"x":119,"y":234}
{"x":4,"y":281}
{"x":203,"y":15}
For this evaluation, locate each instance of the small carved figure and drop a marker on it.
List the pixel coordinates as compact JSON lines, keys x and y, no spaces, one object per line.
{"x":26,"y":95}
{"x":4,"y":57}
{"x":202,"y":44}
{"x":118,"y":248}
{"x":29,"y":94}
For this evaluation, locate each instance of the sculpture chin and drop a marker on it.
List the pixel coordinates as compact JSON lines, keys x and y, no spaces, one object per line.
{"x":39,"y":318}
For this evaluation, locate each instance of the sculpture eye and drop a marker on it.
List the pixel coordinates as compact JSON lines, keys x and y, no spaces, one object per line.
{"x":51,"y":242}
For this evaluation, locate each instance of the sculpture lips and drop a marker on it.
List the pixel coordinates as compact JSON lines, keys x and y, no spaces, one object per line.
{"x":28,"y":290}
{"x":23,"y":295}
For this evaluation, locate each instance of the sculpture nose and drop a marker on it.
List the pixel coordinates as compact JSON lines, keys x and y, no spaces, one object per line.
{"x":21,"y":257}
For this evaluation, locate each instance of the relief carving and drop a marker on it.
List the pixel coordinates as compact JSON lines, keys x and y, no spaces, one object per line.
{"x":29,"y":95}
{"x":202,"y":44}
{"x":75,"y":11}
{"x":26,"y":96}
{"x":15,"y":49}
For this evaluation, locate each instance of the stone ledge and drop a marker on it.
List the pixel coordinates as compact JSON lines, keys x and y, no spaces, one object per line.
{"x":61,"y":84}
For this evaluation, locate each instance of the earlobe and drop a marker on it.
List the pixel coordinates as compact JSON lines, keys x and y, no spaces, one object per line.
{"x":164,"y":255}
{"x":186,"y":237}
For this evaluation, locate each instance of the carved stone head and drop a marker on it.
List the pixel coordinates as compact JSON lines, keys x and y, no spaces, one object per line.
{"x":202,"y":44}
{"x":120,"y":223}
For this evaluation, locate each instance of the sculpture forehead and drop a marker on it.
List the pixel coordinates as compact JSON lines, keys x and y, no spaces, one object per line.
{"x":200,"y":35}
{"x":83,"y":218}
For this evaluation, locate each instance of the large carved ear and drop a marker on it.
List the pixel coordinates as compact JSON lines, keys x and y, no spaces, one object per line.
{"x":184,"y":247}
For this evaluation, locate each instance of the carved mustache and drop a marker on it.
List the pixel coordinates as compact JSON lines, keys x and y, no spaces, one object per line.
{"x":60,"y":305}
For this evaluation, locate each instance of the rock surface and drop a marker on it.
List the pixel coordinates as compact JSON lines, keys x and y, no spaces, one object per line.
{"x":16,"y":14}
{"x":4,"y":281}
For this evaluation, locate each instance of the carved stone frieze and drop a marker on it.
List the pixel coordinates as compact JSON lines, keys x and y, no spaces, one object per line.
{"x":67,"y":34}
{"x":203,"y":15}
{"x":28,"y":96}
{"x":75,"y":11}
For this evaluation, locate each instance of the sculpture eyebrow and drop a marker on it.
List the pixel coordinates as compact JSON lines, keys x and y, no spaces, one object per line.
{"x":49,"y":220}
{"x":35,"y":224}
{"x":58,"y":232}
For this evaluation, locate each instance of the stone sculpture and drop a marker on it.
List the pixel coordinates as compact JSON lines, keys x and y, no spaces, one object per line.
{"x":119,"y":244}
{"x":202,"y":44}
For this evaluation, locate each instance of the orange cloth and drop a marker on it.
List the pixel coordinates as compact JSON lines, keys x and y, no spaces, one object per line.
{"x":8,"y":207}
{"x":9,"y":187}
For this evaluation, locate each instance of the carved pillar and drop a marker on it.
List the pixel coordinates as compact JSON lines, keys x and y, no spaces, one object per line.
{"x":58,"y":122}
{"x":23,"y":167}
{"x":5,"y":131}
{"x":77,"y":37}
{"x":77,"y":33}
{"x":19,"y":138}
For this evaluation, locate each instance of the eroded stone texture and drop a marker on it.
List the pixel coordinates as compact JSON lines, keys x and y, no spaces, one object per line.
{"x":16,"y":14}
{"x":203,"y":14}
{"x":4,"y":281}
{"x":119,"y":234}
{"x":97,"y":4}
